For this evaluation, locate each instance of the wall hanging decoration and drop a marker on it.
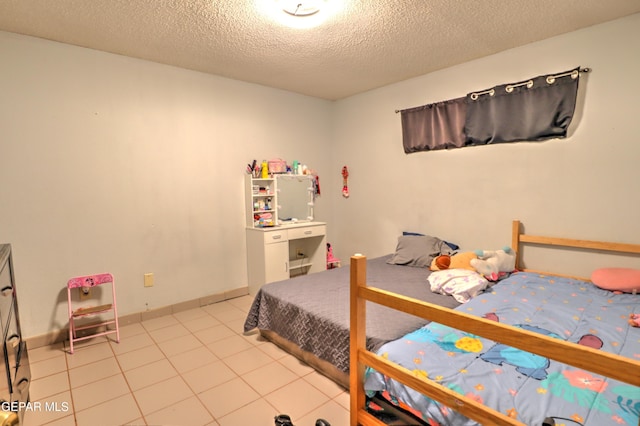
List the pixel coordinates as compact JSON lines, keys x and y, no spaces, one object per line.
{"x":536,"y":109}
{"x":345,"y":186}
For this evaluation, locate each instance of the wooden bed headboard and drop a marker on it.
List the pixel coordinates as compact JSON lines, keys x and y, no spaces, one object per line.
{"x":606,"y":364}
{"x":518,"y":239}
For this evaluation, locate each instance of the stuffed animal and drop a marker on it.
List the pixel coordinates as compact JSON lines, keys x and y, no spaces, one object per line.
{"x":457,"y":261}
{"x":493,"y":265}
{"x":634,"y":320}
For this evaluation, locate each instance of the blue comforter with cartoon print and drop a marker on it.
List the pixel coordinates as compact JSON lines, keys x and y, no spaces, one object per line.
{"x":522,"y":385}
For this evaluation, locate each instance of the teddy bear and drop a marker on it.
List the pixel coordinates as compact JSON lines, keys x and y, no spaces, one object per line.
{"x":456,"y":261}
{"x":494,"y":265}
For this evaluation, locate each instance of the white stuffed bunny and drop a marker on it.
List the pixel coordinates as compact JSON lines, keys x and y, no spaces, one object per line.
{"x":493,"y":265}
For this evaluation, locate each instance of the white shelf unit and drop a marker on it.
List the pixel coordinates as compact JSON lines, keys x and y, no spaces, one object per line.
{"x":261,"y":199}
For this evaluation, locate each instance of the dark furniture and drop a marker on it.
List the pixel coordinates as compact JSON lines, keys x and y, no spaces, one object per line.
{"x":16,"y":375}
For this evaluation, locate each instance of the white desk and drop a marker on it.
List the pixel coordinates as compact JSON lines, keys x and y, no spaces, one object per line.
{"x":281,"y":252}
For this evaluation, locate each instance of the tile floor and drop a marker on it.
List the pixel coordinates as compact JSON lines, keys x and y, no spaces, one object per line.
{"x":191,"y":368}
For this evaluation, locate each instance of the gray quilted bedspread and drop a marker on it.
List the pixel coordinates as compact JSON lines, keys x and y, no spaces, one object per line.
{"x":312,"y":311}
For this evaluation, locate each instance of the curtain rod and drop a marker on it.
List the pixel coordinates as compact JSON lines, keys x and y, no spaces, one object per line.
{"x":529,"y":83}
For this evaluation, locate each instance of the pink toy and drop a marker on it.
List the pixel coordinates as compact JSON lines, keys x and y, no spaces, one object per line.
{"x":332,"y":261}
{"x":634,"y":320}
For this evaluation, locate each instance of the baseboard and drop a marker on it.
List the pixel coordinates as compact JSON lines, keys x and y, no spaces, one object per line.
{"x":58,"y":336}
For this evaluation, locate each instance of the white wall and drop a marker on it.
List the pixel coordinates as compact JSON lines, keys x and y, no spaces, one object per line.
{"x":109,"y":163}
{"x":584,"y":186}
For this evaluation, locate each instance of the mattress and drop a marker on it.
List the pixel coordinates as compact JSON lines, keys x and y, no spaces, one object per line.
{"x":312,"y":311}
{"x":522,"y":385}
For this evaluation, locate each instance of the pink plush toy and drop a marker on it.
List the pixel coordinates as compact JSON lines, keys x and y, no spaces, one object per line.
{"x":634,"y":320}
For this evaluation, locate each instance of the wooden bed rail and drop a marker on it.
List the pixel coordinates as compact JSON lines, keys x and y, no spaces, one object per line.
{"x":518,"y":239}
{"x":603,"y":363}
{"x":360,"y":357}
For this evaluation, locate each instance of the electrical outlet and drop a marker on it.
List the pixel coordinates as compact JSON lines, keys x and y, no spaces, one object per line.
{"x":299,"y":253}
{"x":85,"y":293}
{"x":148,"y":280}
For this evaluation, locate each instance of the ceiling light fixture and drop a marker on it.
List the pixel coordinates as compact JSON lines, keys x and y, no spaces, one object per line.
{"x":299,"y":14}
{"x":301,"y":8}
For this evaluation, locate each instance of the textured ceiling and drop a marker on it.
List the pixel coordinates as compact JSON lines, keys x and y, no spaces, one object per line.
{"x":355,"y":45}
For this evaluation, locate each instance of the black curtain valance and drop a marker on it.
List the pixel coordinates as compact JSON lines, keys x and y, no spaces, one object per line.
{"x":434,"y":126}
{"x":537,"y":109}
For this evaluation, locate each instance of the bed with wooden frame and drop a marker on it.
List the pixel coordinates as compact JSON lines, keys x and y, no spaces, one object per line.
{"x":616,"y":367}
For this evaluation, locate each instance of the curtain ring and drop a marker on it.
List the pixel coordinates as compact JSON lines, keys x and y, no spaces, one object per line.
{"x":510,"y":87}
{"x":574,"y":74}
{"x":490,"y":92}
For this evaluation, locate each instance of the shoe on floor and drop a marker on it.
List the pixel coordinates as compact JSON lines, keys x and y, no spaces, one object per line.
{"x":283,"y":420}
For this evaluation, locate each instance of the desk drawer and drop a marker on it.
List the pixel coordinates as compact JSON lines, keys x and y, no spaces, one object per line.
{"x":275,"y":236}
{"x":307,"y":231}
